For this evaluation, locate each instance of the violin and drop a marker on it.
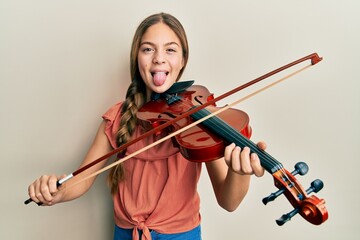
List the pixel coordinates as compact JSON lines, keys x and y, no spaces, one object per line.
{"x":202,"y":135}
{"x":207,"y":142}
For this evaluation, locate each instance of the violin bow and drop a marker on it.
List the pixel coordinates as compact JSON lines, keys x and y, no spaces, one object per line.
{"x":197,"y":122}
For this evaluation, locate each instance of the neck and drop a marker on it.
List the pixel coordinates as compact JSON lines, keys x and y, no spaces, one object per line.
{"x":231,"y":135}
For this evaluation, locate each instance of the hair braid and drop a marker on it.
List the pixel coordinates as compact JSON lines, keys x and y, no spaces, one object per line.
{"x":134,"y":100}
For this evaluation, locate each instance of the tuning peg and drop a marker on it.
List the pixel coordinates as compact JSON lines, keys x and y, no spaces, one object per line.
{"x":300,"y":168}
{"x":315,"y":186}
{"x":273,"y":196}
{"x":287,"y":217}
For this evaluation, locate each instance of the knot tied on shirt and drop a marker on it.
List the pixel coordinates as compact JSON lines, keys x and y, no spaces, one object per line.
{"x":145,"y":235}
{"x":141,"y":225}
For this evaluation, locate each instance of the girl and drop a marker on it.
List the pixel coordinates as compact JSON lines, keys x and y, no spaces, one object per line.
{"x":155,"y":193}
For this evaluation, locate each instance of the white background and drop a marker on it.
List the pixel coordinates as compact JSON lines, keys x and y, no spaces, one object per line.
{"x":63,"y":63}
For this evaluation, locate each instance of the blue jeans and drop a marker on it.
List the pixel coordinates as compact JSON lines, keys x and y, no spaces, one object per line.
{"x":126,"y":234}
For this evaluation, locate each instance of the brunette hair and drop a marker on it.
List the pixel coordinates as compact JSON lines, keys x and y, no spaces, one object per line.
{"x":136,"y":93}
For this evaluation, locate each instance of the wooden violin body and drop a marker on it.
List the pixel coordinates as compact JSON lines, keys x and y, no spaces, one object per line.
{"x":196,"y":144}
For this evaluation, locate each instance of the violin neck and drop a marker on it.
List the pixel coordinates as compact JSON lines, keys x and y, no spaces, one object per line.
{"x":231,"y":135}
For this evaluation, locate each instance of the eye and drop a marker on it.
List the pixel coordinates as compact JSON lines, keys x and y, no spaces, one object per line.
{"x":147,"y":49}
{"x":171,"y":50}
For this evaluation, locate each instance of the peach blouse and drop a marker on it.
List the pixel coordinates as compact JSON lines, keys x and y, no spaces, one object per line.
{"x":159,"y":191}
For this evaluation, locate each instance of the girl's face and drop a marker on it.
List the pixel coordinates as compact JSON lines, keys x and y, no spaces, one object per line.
{"x":160,"y":58}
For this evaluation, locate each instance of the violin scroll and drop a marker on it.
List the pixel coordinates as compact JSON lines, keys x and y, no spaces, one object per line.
{"x":310,"y":207}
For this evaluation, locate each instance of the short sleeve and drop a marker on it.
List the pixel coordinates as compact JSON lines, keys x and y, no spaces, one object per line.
{"x":112,"y":118}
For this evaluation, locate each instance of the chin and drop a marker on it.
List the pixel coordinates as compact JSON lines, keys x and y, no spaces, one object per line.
{"x":160,"y":89}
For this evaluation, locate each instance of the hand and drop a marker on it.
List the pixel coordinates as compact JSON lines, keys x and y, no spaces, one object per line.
{"x":242,"y":162}
{"x":44,"y":190}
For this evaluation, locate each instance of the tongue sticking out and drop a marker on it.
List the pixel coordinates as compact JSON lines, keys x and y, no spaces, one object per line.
{"x":159,"y":78}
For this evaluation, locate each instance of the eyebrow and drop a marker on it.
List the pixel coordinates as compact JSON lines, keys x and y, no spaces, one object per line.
{"x":153,"y":44}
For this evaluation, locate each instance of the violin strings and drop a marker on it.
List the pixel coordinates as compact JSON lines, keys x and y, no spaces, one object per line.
{"x":232,"y":135}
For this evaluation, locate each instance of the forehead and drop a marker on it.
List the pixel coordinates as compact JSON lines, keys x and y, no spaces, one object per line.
{"x":160,"y":33}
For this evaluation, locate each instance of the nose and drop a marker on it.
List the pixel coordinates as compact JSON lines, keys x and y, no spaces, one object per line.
{"x":159,"y":57}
